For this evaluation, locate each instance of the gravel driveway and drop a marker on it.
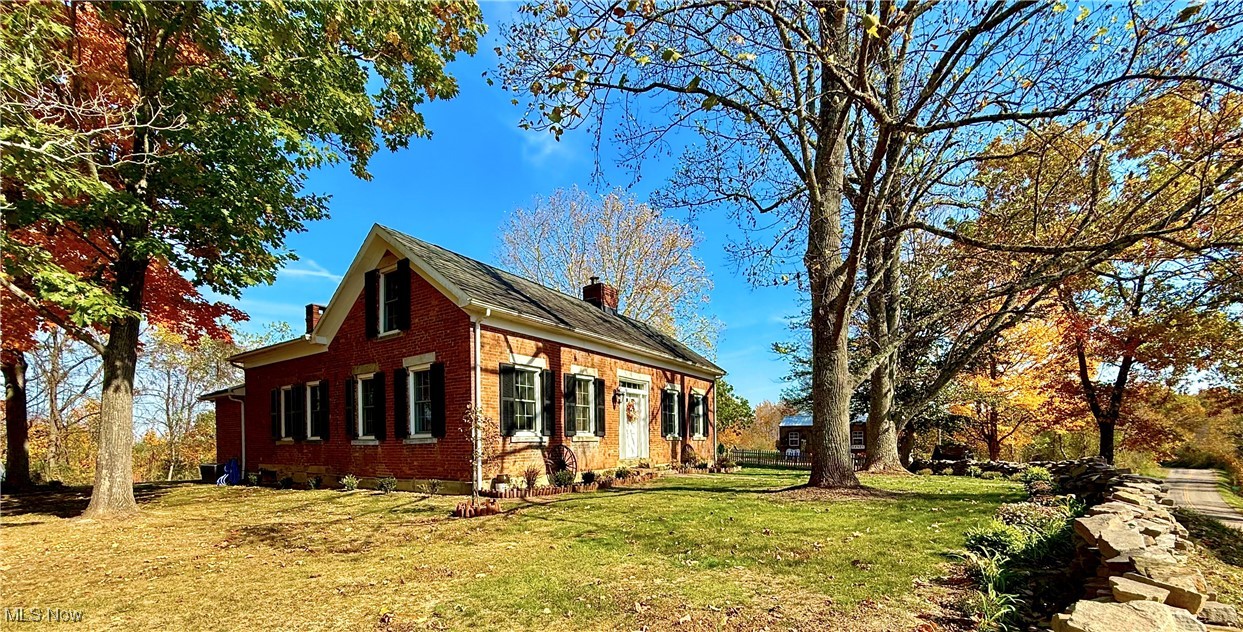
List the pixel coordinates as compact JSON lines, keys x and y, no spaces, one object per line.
{"x":1197,"y":489}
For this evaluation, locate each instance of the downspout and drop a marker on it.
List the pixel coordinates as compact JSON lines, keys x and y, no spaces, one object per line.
{"x":241,"y":403}
{"x":476,"y":390}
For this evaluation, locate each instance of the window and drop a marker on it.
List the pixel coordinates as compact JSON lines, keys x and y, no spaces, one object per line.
{"x":368,"y":406}
{"x":390,"y":301}
{"x":856,"y":439}
{"x":793,"y":440}
{"x":584,"y":405}
{"x":670,"y":423}
{"x":420,"y":385}
{"x":698,"y":424}
{"x":287,"y":412}
{"x":314,"y":408}
{"x":526,"y":400}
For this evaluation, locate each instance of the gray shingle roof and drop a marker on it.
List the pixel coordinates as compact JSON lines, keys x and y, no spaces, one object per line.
{"x":493,"y":286}
{"x":796,"y":421}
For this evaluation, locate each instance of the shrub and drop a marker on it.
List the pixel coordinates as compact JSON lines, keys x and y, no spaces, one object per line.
{"x":645,"y":465}
{"x":1034,"y":517}
{"x":313,"y":482}
{"x":621,"y":473}
{"x":1015,"y":477}
{"x":286,"y":483}
{"x":1033,"y":474}
{"x":589,"y":477}
{"x":564,"y":478}
{"x":990,"y":476}
{"x":433,"y":486}
{"x":689,"y":456}
{"x":252,"y":479}
{"x":988,"y":568}
{"x":726,"y":464}
{"x":349,"y":482}
{"x":925,"y":472}
{"x":994,"y":607}
{"x":531,"y":476}
{"x":1036,"y":489}
{"x":387,"y":484}
{"x":703,"y":465}
{"x":949,"y":471}
{"x":974,"y":471}
{"x":997,"y":537}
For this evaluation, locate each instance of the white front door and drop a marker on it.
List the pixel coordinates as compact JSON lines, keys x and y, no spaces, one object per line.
{"x":633,"y":431}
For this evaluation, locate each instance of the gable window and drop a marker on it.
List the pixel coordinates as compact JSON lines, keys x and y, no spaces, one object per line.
{"x":793,"y":440}
{"x":670,"y":423}
{"x":314,"y":410}
{"x":420,"y":386}
{"x":526,"y":400}
{"x":368,"y":414}
{"x":856,"y":439}
{"x":390,"y":301}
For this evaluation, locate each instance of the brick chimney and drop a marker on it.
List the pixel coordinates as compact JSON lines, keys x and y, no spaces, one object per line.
{"x":313,"y":314}
{"x":601,"y":295}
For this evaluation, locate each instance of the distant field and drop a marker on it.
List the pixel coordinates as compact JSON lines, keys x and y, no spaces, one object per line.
{"x":691,"y":552}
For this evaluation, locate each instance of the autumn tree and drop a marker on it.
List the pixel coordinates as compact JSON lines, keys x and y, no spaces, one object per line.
{"x":812,"y":117}
{"x":217,"y":113}
{"x":566,"y":238}
{"x":732,"y":410}
{"x":172,"y":373}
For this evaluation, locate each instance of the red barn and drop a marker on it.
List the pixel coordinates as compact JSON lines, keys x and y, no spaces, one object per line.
{"x":415,"y":335}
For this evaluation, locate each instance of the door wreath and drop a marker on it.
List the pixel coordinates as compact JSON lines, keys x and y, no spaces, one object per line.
{"x":632,"y":411}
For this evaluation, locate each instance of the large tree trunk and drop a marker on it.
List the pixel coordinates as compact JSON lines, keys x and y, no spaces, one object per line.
{"x":906,"y":444}
{"x":882,"y":435}
{"x":114,"y":468}
{"x":17,"y":461}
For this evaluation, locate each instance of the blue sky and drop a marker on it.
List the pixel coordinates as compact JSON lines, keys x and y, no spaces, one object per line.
{"x":456,"y":189}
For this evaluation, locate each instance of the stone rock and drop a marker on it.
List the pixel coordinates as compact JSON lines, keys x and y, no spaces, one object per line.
{"x":1136,"y":616}
{"x":1190,"y":599}
{"x":1124,"y":510}
{"x":1169,"y":502}
{"x":1153,"y":528}
{"x":1089,"y":527}
{"x":1125,"y":590}
{"x":1216,"y":613}
{"x":1131,"y":497}
{"x":1114,"y":540}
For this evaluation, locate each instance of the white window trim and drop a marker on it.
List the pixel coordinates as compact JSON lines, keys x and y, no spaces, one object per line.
{"x":794,"y":439}
{"x":529,"y":362}
{"x":358,"y":407}
{"x":579,"y":380}
{"x":411,"y":435}
{"x":703,"y":417}
{"x":534,"y":434}
{"x":623,"y":374}
{"x":285,"y":436}
{"x":309,"y":421}
{"x":384,"y":272}
{"x":862,"y":443}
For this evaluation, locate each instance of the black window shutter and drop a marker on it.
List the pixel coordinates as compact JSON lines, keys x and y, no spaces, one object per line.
{"x":666,"y":423}
{"x":296,"y":421}
{"x":707,"y":415}
{"x":547,"y":416}
{"x":276,"y":414}
{"x":401,"y":407}
{"x":351,"y":417}
{"x":438,"y":399}
{"x":381,"y":410}
{"x":321,"y":415}
{"x":687,"y":416}
{"x":371,"y":302}
{"x":568,"y":399}
{"x":403,"y":294}
{"x":599,"y":385}
{"x":507,"y":399}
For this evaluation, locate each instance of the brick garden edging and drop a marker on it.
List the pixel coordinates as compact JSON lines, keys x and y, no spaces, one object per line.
{"x":554,"y":490}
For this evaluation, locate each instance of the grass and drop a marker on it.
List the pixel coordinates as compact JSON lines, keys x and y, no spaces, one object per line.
{"x":1223,"y":563}
{"x":1229,"y":493}
{"x":702,"y":552}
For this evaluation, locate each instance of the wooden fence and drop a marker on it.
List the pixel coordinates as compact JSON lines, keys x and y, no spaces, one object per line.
{"x":774,"y":458}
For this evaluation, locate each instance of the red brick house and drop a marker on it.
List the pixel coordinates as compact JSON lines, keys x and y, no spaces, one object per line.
{"x":794,"y":431}
{"x":415,"y":334}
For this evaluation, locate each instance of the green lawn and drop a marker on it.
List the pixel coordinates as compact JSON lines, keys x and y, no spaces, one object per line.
{"x":1228,"y":493}
{"x":688,"y":551}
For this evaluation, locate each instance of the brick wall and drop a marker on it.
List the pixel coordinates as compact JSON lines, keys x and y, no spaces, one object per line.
{"x":439,"y":326}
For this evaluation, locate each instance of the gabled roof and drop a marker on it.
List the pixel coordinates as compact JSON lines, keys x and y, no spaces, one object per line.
{"x":492,"y":286}
{"x":796,"y":421}
{"x":481,"y":288}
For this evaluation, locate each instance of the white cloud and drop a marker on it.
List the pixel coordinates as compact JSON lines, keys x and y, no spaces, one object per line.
{"x":311,"y":269}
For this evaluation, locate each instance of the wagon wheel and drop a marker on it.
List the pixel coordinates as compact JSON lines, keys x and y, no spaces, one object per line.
{"x":560,"y":458}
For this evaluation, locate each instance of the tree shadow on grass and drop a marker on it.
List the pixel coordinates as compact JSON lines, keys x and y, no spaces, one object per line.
{"x":68,"y":502}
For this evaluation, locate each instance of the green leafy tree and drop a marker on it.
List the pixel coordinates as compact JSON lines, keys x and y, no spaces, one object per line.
{"x":733,"y":411}
{"x":180,"y":134}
